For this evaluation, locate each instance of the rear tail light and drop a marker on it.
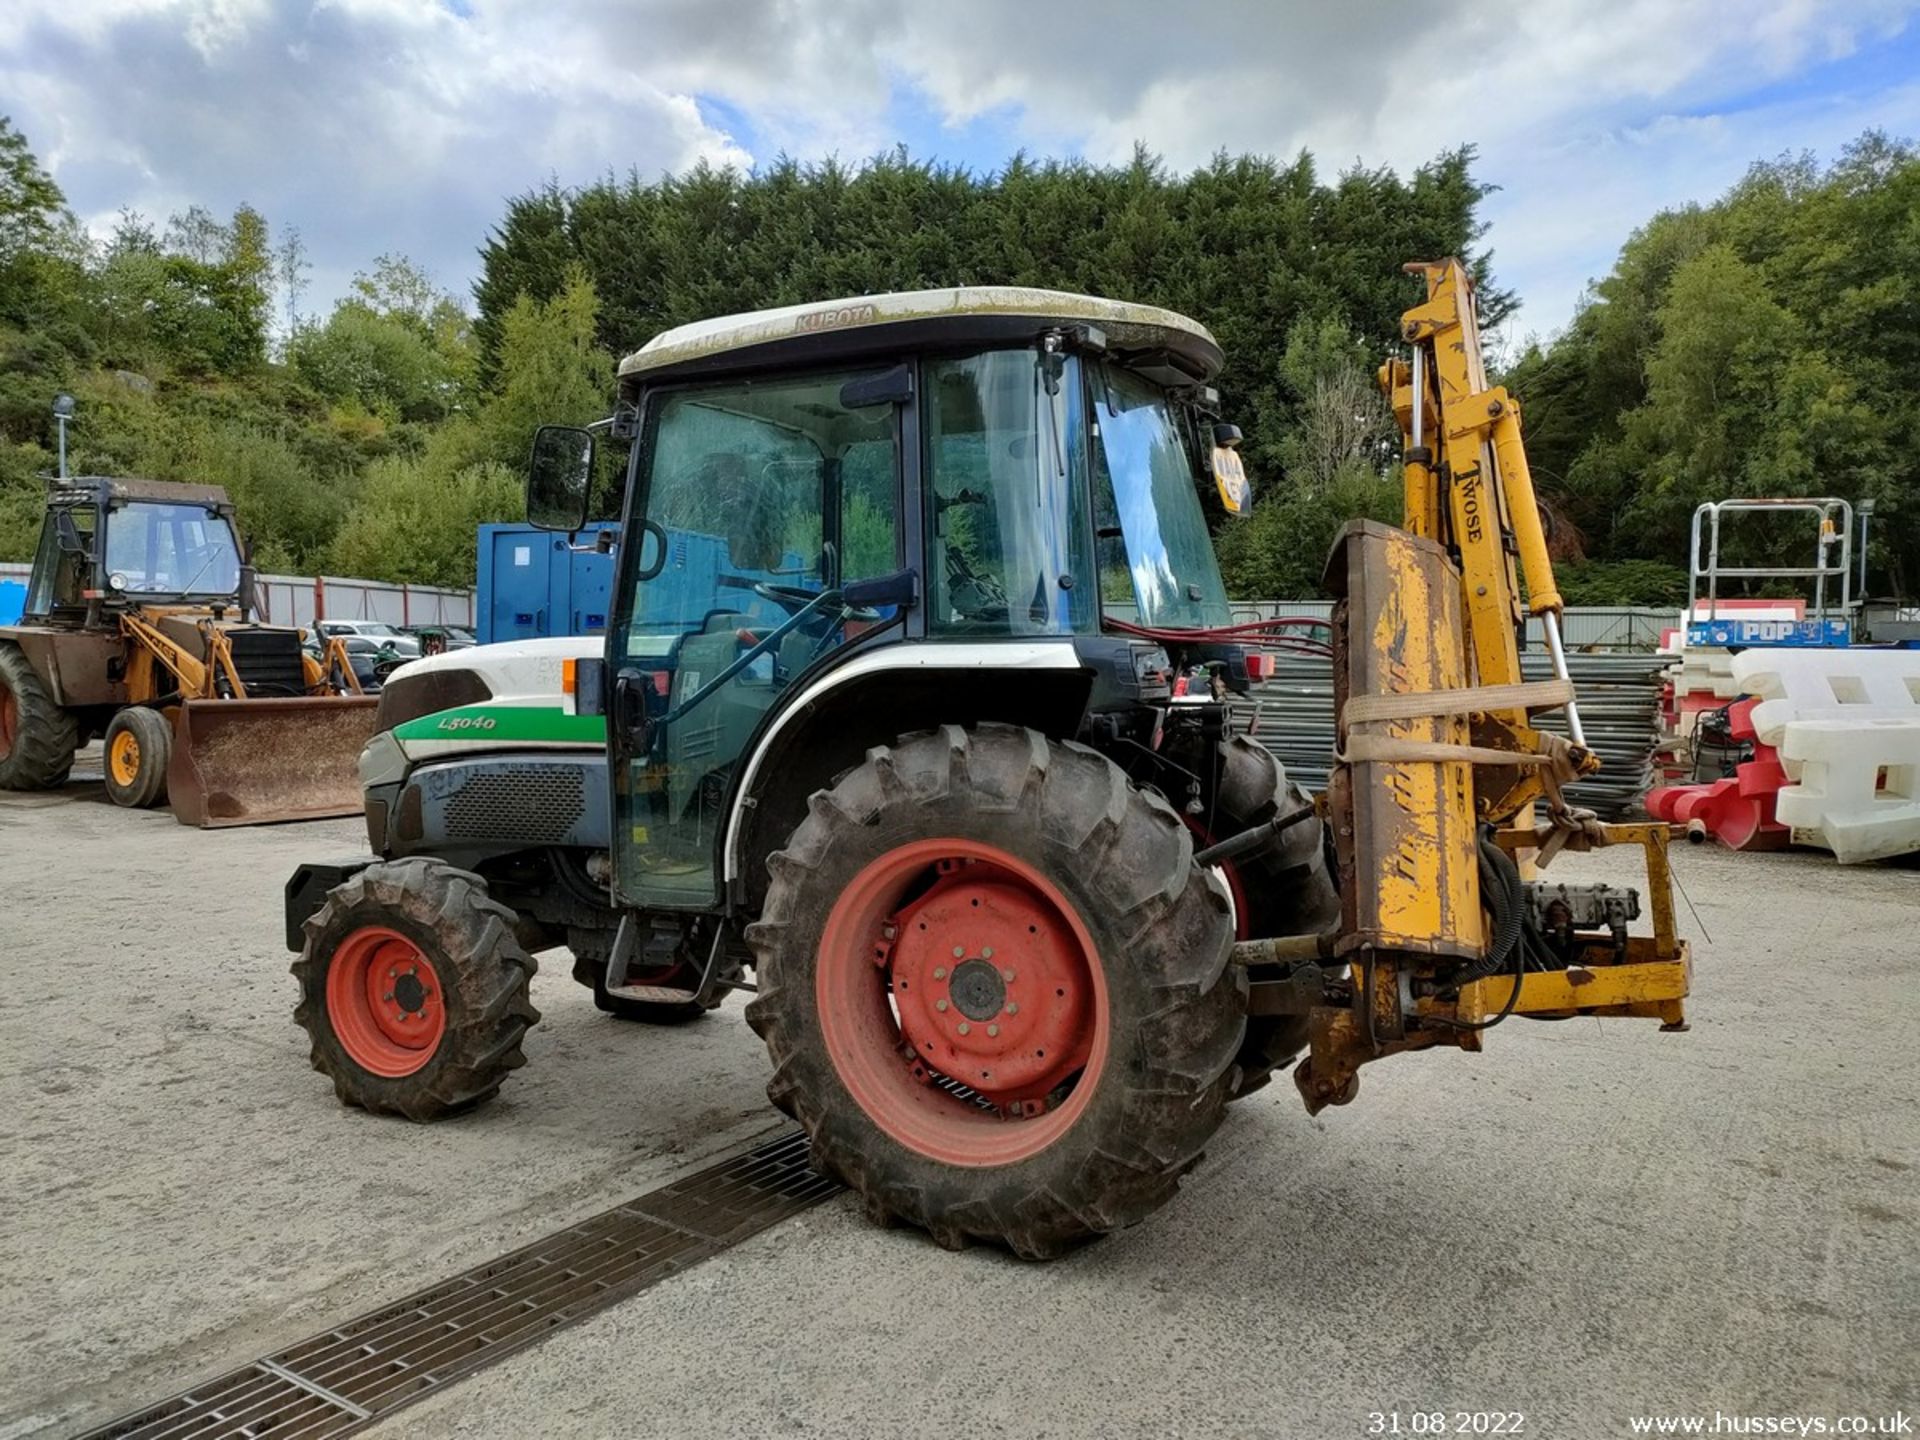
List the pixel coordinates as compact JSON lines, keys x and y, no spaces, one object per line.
{"x":1259,"y":666}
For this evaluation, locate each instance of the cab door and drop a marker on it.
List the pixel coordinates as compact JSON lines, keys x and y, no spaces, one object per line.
{"x":754,"y":501}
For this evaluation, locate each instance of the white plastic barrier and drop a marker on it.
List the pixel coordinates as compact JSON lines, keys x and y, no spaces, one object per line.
{"x":1705,"y":670}
{"x":1795,"y":685}
{"x":1858,"y":786}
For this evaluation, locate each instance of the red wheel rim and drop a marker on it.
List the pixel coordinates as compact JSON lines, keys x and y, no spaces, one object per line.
{"x":1202,"y":839}
{"x":952,"y":973}
{"x":9,"y":721}
{"x":385,"y":1001}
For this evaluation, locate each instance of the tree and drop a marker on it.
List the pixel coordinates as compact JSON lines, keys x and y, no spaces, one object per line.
{"x":291,"y":268}
{"x":196,"y":234}
{"x":1763,"y":344}
{"x":33,"y":211}
{"x":1342,"y":425}
{"x":552,"y":369}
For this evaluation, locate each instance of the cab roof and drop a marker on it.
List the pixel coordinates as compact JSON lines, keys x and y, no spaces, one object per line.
{"x":120,"y":489}
{"x":880,"y":325}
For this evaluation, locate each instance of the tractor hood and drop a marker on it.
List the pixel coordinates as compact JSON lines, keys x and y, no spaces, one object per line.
{"x":510,"y":696}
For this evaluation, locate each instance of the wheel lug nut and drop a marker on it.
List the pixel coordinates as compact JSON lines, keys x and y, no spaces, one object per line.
{"x":940,"y":1005}
{"x":958,"y":951}
{"x":389,"y":997}
{"x":964,"y":1027}
{"x":1012,"y":1008}
{"x":987,"y":954}
{"x":993,"y":1030}
{"x":939,"y":972}
{"x":1007,"y":975}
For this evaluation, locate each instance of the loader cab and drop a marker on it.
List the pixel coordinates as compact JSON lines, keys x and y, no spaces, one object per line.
{"x":113,"y":544}
{"x":909,"y":484}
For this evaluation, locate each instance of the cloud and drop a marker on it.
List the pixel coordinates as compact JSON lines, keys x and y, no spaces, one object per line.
{"x":401,"y":125}
{"x":371,"y":125}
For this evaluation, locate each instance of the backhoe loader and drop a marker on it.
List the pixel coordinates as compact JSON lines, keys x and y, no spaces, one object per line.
{"x":902,"y":584}
{"x":138,"y":630}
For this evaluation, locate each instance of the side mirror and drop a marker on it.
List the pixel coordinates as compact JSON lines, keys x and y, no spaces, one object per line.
{"x":560,"y":477}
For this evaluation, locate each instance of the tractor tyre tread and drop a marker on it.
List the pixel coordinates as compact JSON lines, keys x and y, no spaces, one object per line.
{"x":484,"y":971}
{"x":1176,"y":1009}
{"x":47,"y":735}
{"x":1285,"y":885}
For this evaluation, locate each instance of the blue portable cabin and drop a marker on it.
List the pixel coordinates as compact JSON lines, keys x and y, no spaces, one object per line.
{"x":534,"y":583}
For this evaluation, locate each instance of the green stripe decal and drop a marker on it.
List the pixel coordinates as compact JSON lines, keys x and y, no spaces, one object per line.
{"x":507,"y":722}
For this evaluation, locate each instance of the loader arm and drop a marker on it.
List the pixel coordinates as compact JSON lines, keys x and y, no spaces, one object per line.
{"x":1432,"y":799}
{"x":192,"y":676}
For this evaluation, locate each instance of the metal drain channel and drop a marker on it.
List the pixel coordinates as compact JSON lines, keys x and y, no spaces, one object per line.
{"x":344,"y":1379}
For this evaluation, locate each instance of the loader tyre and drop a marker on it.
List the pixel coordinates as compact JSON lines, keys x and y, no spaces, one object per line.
{"x":139,"y":745}
{"x":591,"y":950}
{"x":1284,"y":888}
{"x":414,"y":990}
{"x":37,"y":737}
{"x":995,"y":989}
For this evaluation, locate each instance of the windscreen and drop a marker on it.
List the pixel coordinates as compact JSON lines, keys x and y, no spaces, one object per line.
{"x":155,"y":548}
{"x":1162,"y":556}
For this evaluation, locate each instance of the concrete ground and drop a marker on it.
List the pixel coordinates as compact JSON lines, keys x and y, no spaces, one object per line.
{"x":1589,"y":1222}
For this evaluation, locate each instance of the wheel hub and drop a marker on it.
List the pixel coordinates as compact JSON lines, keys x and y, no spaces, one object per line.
{"x":125,"y":757}
{"x":409,"y":994}
{"x":990,"y":990}
{"x":978,"y":990}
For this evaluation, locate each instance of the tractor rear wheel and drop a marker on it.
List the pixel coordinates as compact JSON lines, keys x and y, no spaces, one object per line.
{"x":414,"y":990}
{"x":139,"y":745}
{"x":37,"y":737}
{"x":995,"y":989}
{"x":1283,"y":888}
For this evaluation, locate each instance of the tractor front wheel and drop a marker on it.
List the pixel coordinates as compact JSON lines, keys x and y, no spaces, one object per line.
{"x":414,"y":990}
{"x":139,"y":745}
{"x":37,"y":737}
{"x":995,"y":989}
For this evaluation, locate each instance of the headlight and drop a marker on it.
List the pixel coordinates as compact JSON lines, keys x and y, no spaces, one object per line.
{"x":382,"y":761}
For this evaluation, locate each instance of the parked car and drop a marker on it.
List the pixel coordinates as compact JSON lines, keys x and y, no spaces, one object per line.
{"x":434,"y":639}
{"x":378,"y":631}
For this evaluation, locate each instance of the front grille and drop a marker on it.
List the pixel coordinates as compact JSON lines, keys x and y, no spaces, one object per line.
{"x":267,"y":661}
{"x":531,"y":802}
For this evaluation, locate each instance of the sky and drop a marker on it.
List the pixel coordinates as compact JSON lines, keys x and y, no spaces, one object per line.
{"x":400,"y":126}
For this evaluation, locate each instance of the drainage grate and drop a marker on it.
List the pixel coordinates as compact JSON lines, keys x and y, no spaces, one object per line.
{"x":343,"y":1379}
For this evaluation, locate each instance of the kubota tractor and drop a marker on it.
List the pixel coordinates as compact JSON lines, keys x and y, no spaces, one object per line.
{"x":888,"y":719}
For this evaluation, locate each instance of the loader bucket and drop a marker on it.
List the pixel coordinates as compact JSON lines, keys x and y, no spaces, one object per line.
{"x":249,"y":762}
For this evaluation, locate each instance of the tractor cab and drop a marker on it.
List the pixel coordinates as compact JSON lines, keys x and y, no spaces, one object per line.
{"x":113,"y":544}
{"x":962,"y":480}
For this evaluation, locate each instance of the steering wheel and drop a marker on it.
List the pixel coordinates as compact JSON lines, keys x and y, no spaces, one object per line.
{"x":795,"y":599}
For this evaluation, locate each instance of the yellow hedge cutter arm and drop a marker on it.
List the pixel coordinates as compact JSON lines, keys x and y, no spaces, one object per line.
{"x":1439,"y":763}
